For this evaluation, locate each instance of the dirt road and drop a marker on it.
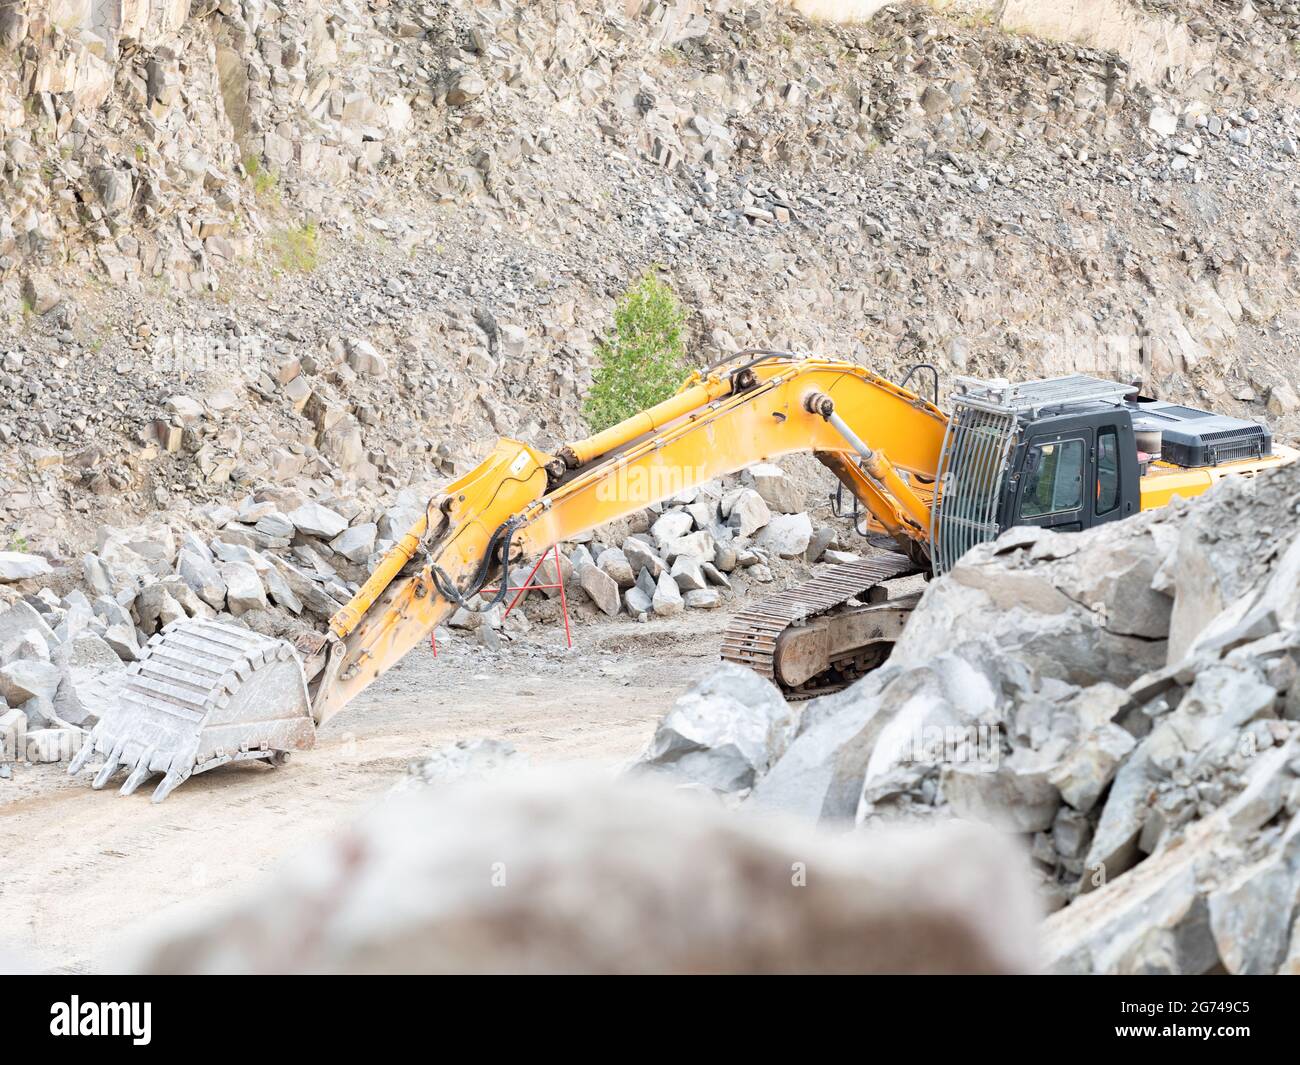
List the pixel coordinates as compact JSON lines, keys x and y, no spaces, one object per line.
{"x":81,"y":871}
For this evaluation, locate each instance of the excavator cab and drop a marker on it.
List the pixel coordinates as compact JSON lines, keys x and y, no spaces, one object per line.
{"x":1074,"y":470}
{"x":1071,"y":453}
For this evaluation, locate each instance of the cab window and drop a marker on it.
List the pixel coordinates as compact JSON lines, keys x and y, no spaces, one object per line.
{"x":1107,"y":471}
{"x":1053,"y":479}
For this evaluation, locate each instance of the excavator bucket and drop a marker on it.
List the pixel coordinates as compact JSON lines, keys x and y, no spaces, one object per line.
{"x":203,"y":694}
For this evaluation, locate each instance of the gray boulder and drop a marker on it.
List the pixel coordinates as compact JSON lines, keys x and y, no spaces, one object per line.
{"x":580,"y":557}
{"x":637,"y":601}
{"x":547,"y":574}
{"x":851,"y":741}
{"x":313,"y":519}
{"x":398,"y":519}
{"x":696,"y":545}
{"x":667,"y":600}
{"x":156,"y":608}
{"x":20,"y":566}
{"x":723,"y":732}
{"x":1085,"y":774}
{"x":786,"y":535}
{"x":615,"y":564}
{"x":602,"y":588}
{"x":22,"y":624}
{"x":275,"y":525}
{"x":202,"y":577}
{"x":1014,"y":796}
{"x":123,"y":640}
{"x":93,"y":675}
{"x":702,"y":599}
{"x":778,"y":490}
{"x":745,"y":510}
{"x":314,"y":598}
{"x":356,"y":543}
{"x":278,"y":590}
{"x":688,"y":573}
{"x":671,"y":526}
{"x":725,"y":556}
{"x":244,"y":588}
{"x":641,"y":556}
{"x":1250,"y":916}
{"x":25,"y":645}
{"x":29,"y":678}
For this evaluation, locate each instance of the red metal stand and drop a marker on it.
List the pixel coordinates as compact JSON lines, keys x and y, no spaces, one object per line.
{"x":530,"y":586}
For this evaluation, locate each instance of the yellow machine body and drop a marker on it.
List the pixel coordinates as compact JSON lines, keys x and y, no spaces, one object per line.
{"x":206,"y":694}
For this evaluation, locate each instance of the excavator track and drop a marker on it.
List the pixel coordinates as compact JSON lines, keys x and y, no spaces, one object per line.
{"x":753,"y":636}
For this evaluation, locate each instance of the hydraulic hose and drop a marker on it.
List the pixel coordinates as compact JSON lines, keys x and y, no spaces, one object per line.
{"x":500,"y":542}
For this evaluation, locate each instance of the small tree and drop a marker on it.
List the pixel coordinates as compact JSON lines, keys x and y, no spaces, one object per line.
{"x":644,"y":360}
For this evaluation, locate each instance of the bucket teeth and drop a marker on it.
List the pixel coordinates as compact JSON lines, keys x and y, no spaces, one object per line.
{"x":169,"y":783}
{"x":202,"y":689}
{"x":80,"y":759}
{"x":107,"y":771}
{"x":138,"y":776}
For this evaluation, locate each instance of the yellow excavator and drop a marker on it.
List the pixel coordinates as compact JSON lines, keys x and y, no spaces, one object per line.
{"x":1065,"y":454}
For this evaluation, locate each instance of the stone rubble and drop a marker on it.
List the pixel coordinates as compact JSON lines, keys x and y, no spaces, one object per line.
{"x":282,"y":563}
{"x":1125,"y":700}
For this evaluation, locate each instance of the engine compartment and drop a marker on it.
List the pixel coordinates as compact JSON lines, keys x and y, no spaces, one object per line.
{"x":1194,"y":438}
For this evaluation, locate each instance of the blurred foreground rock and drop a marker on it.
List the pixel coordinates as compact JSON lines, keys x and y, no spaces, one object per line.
{"x":464,"y":760}
{"x":544,"y":874}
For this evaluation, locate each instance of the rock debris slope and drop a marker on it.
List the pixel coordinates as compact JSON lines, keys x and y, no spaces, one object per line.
{"x":341,"y":246}
{"x":1126,"y":700}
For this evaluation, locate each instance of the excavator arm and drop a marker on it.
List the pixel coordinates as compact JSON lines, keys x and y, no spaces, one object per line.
{"x":717,"y":424}
{"x":205,"y":694}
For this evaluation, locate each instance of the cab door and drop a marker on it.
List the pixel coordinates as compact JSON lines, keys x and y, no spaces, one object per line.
{"x":1055,"y":473}
{"x":1118,"y":490}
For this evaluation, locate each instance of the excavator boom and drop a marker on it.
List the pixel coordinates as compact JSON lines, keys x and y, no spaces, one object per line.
{"x":715,"y":425}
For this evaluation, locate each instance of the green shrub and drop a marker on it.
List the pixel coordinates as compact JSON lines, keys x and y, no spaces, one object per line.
{"x":264,"y":181}
{"x":296,"y":250}
{"x":643,"y":361}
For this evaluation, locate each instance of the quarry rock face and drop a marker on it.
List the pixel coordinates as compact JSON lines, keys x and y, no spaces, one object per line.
{"x":291,"y":157}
